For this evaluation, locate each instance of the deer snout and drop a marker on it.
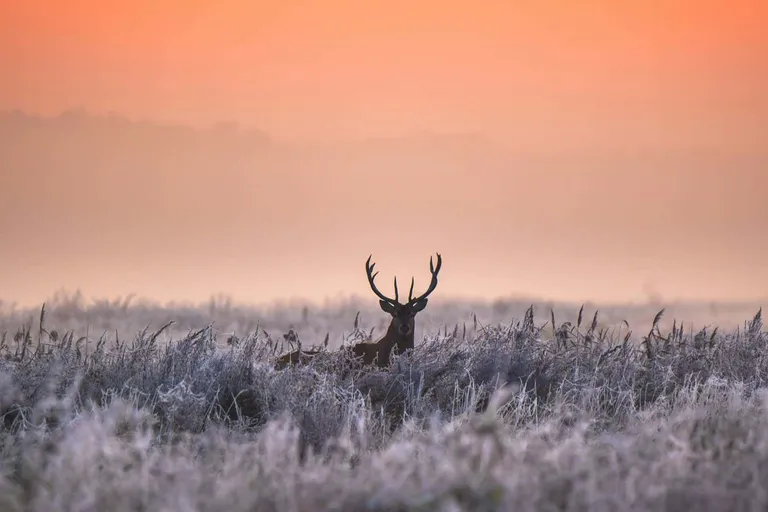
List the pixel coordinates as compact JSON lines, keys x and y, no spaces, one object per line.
{"x":405,"y":329}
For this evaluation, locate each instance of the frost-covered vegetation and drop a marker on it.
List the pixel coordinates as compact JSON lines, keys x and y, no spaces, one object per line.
{"x":532,"y":413}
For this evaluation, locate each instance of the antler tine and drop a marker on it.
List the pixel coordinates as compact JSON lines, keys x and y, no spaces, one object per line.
{"x":434,"y":270}
{"x":396,"y":289}
{"x":410,"y":293}
{"x":368,"y":272}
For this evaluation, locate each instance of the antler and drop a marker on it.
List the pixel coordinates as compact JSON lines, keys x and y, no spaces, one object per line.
{"x":434,"y":271}
{"x":368,"y":270}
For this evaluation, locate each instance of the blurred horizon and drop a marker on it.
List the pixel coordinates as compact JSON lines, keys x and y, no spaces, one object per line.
{"x":342,"y":317}
{"x":63,"y":296}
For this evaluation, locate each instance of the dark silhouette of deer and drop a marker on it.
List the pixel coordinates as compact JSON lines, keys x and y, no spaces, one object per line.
{"x":298,"y":355}
{"x":399,"y":337}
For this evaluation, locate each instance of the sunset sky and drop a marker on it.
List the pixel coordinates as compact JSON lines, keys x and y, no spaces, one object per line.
{"x":578,"y":150}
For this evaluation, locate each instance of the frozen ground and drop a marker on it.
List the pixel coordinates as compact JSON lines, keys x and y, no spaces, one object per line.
{"x":501,"y":416}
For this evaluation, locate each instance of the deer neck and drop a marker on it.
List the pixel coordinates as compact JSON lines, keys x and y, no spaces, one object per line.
{"x":393,"y":339}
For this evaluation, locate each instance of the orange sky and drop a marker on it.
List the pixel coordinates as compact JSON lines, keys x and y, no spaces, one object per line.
{"x":521,"y":70}
{"x":590,"y":78}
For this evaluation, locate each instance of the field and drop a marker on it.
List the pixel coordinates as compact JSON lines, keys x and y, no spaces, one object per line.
{"x":110,"y":406}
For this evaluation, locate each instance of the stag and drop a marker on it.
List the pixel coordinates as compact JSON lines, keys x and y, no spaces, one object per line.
{"x":399,"y":337}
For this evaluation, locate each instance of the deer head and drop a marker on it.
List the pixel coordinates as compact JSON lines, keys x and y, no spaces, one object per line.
{"x":399,"y":336}
{"x":298,"y":356}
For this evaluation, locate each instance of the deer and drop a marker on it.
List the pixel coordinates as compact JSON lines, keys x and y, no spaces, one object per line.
{"x":298,"y":355}
{"x":399,"y":337}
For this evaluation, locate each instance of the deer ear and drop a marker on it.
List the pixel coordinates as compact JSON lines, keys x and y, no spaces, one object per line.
{"x":419,"y":305}
{"x":387,"y":307}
